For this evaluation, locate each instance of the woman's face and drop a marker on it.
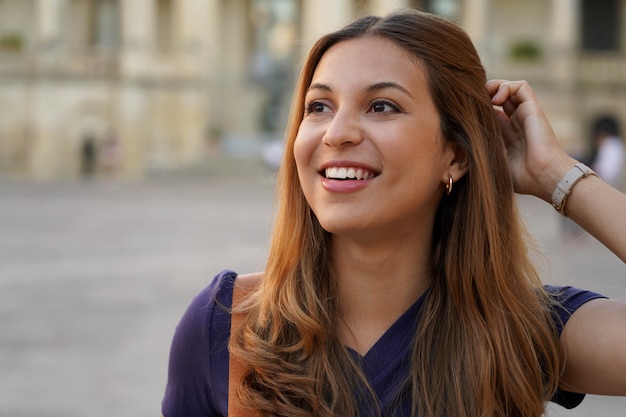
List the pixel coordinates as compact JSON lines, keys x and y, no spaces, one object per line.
{"x":369,"y":152}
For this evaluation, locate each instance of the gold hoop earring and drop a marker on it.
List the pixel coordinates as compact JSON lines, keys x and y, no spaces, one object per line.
{"x":449,"y":185}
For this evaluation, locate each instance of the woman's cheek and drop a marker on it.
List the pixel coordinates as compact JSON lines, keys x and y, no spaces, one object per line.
{"x":303,"y":147}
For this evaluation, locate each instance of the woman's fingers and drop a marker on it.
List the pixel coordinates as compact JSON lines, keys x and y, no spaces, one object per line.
{"x":509,"y":94}
{"x":501,"y":91}
{"x":528,"y":137}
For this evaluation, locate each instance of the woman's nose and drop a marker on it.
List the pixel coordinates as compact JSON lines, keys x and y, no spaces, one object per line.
{"x":344,"y":130}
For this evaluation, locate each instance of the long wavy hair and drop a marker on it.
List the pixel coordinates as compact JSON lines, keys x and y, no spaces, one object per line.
{"x":485,"y":345}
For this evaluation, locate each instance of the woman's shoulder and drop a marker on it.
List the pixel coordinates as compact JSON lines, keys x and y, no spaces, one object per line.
{"x":198,"y":367}
{"x":567,"y":300}
{"x":218,"y":292}
{"x":570,"y":297}
{"x":247,"y":283}
{"x":208,"y":310}
{"x":217,"y":296}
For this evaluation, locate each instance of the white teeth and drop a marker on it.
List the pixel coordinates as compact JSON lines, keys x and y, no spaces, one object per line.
{"x":347,"y":173}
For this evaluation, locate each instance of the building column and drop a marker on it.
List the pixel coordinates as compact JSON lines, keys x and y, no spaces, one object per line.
{"x":382,"y":8}
{"x":44,"y":152}
{"x":213,"y":30}
{"x":138,"y":35}
{"x":211,"y":26}
{"x":563,"y":38}
{"x":565,"y":110}
{"x":323,"y":16}
{"x":138,"y":44}
{"x":475,"y":19}
{"x":197,"y":34}
{"x":48,"y":22}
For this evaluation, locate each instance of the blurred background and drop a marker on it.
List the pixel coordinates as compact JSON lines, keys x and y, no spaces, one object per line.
{"x":138,"y":142}
{"x":126,"y":89}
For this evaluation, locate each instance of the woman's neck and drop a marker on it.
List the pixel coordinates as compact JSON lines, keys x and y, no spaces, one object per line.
{"x":377,"y":283}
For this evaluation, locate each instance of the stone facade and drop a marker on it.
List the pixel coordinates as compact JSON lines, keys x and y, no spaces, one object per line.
{"x":128,"y":88}
{"x":575,"y":59}
{"x":103,"y":87}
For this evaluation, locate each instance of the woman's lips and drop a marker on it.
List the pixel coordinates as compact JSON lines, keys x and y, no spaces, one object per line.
{"x":346,"y":178}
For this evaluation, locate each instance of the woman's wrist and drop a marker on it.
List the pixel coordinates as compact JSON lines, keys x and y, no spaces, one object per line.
{"x":552,"y":174}
{"x":565,"y":187}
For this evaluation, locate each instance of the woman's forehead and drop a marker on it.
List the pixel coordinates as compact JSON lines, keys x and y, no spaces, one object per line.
{"x":368,"y":59}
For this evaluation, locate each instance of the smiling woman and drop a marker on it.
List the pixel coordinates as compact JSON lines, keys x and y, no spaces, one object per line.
{"x":398,"y":281}
{"x":382,"y":120}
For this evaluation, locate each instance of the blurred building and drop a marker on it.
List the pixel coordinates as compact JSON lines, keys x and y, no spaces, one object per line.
{"x":573,"y":52}
{"x":127,"y":88}
{"x":102,"y":86}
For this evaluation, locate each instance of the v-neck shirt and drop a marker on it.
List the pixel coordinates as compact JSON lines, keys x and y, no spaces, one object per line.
{"x":197,"y":383}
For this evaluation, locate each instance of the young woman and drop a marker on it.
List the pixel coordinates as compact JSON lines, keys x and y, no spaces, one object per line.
{"x":398,"y":281}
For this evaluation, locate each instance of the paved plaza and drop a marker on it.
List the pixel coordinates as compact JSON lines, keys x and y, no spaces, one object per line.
{"x":95,"y":275}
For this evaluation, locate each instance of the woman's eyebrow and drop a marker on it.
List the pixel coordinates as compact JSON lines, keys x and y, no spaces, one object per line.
{"x":388,"y":84}
{"x":374,"y":87}
{"x":319,"y":86}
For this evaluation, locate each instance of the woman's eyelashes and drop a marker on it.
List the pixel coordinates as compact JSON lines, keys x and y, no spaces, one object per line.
{"x":380,"y":106}
{"x":383,"y":106}
{"x":317,"y":106}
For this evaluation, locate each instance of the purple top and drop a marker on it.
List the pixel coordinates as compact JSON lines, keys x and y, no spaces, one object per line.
{"x":197,"y":382}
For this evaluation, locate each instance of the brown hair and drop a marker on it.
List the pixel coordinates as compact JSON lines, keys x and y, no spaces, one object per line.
{"x":485,"y":344}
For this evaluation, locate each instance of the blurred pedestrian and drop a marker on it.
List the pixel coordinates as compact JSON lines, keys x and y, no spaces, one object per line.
{"x":608,"y":157}
{"x":398,"y":281}
{"x":88,"y":157}
{"x":110,"y":156}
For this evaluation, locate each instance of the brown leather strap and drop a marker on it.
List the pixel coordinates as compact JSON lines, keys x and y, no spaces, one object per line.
{"x":244,"y":285}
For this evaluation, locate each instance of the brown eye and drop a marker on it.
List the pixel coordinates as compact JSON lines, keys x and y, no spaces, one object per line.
{"x":383,"y":106}
{"x":317,"y":107}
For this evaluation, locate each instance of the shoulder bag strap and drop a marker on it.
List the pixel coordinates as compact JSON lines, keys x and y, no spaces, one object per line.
{"x":244,"y":285}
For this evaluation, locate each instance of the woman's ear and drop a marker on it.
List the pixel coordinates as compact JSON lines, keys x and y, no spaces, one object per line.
{"x":458,"y":160}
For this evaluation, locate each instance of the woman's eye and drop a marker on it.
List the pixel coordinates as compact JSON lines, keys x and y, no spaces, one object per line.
{"x":382,"y":106}
{"x":317,"y":107}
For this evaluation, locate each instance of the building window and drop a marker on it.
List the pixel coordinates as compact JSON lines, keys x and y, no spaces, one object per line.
{"x":88,"y":25}
{"x":600,"y":25}
{"x":106,"y":28}
{"x":164,"y":26}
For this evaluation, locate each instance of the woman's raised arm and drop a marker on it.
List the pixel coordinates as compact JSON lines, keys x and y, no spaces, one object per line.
{"x":595,"y":336}
{"x":538,"y":163}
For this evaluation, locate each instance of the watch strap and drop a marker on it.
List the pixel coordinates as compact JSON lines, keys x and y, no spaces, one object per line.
{"x":564,"y":187}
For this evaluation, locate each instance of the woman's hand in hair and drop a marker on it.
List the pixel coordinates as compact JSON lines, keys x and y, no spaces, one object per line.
{"x":537,"y":164}
{"x":536,"y":160}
